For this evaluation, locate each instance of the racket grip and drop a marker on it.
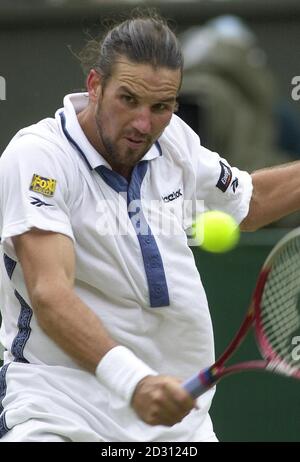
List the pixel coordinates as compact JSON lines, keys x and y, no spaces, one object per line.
{"x":196,"y":385}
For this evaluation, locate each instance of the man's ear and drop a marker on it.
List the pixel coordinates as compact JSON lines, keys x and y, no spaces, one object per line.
{"x":93,"y":84}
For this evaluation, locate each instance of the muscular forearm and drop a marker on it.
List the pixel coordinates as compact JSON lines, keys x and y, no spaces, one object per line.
{"x":59,"y":311}
{"x":276,"y":193}
{"x":72,"y":325}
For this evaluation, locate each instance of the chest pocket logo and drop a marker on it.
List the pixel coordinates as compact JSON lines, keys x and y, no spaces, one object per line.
{"x":171,"y":197}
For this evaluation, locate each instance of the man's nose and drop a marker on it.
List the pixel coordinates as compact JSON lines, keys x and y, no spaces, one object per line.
{"x":142,"y":121}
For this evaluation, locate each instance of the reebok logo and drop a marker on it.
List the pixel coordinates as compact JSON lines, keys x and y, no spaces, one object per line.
{"x":174,"y":195}
{"x":225,"y":177}
{"x":38,"y":203}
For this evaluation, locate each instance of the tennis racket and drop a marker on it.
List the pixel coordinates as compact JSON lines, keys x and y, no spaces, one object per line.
{"x":274,"y":313}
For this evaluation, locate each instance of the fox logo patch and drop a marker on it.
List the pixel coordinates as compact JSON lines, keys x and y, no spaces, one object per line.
{"x":42,"y":185}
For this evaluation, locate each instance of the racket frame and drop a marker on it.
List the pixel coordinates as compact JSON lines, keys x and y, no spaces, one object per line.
{"x":208,"y":377}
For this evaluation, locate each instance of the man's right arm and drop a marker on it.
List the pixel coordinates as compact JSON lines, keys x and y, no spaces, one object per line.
{"x":48,"y":263}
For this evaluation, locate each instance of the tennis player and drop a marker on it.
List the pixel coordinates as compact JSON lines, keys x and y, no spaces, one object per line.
{"x":104,"y":313}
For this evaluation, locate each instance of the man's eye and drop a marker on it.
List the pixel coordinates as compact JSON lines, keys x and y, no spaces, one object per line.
{"x":128,"y":99}
{"x":160,"y":107}
{"x":164,"y":107}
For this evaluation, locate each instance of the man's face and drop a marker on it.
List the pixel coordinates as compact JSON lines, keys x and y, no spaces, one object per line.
{"x":133,"y":109}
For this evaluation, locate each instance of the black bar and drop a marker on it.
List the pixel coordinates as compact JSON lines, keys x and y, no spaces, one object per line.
{"x":35,"y":13}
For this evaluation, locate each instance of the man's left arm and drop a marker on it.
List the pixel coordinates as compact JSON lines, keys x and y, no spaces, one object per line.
{"x":276,"y":193}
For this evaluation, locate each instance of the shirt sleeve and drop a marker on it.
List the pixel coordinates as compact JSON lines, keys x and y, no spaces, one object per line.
{"x":34,"y":189}
{"x":222,"y":187}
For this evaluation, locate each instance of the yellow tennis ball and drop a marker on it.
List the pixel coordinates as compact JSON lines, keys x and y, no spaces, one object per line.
{"x":216,"y":231}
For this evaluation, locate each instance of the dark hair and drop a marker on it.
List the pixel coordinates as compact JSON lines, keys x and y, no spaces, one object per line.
{"x":145,"y":39}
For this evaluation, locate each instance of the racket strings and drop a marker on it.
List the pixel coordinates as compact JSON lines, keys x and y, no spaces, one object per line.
{"x":280,"y":306}
{"x":286,"y":323}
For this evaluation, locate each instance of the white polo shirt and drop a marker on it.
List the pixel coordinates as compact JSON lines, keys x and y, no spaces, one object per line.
{"x":134,"y":268}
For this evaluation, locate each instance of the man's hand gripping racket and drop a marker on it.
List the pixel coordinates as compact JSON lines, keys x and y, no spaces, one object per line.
{"x":274,"y":313}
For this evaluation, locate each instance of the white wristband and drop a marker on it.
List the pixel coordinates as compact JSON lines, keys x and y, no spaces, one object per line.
{"x":120,"y":370}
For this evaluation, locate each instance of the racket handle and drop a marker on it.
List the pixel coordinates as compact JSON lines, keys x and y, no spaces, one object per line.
{"x":198,"y":384}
